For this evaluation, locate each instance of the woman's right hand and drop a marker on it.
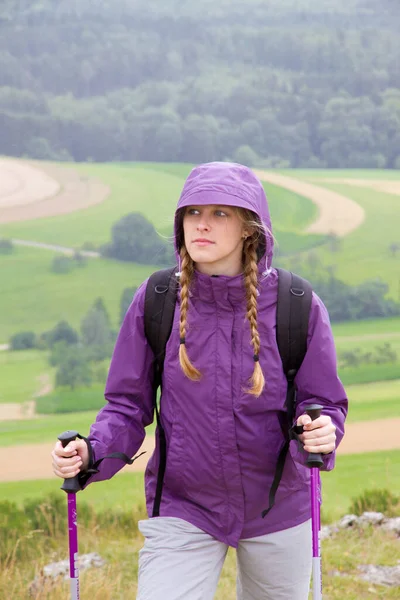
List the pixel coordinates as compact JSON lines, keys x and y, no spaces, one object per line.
{"x":69,"y":461}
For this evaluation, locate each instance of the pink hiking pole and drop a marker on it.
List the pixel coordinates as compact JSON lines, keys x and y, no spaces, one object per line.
{"x":315,"y":462}
{"x":71,"y":486}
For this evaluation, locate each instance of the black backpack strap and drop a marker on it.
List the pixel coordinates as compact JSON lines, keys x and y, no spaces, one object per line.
{"x":292,"y":315}
{"x":160,"y":300}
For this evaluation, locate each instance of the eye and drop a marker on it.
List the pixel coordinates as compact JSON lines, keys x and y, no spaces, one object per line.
{"x":192,"y":211}
{"x":221,"y":213}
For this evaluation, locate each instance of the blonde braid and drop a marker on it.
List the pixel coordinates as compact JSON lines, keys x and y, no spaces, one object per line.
{"x":251,"y":279}
{"x":187,"y":272}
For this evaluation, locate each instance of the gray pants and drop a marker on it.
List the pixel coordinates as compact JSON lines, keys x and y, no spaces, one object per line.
{"x":180,"y":562}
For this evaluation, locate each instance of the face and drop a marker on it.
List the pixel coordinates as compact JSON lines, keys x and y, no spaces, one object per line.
{"x":214,"y":239}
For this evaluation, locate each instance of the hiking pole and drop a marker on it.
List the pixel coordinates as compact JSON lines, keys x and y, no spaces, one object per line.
{"x":315,"y":462}
{"x":71,"y":486}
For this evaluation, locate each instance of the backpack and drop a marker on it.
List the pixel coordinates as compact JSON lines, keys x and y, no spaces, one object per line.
{"x":293,"y":308}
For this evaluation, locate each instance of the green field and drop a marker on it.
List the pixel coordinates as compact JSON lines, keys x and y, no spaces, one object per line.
{"x":351,"y":476}
{"x":146,"y":188}
{"x":149,"y":189}
{"x":366,"y":402}
{"x":35,"y":299}
{"x":47,"y":428}
{"x":379,"y":400}
{"x":363,"y":254}
{"x":43,"y":429}
{"x":365,"y":327}
{"x":20,"y":374}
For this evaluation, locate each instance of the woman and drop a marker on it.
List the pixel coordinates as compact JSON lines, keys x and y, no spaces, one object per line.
{"x":223,"y":397}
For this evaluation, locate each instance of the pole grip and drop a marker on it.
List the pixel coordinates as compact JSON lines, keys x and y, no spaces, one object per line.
{"x":314,"y":459}
{"x":70,"y":485}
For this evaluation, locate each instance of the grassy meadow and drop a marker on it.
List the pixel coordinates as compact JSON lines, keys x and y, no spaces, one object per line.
{"x":34,"y":298}
{"x":21,"y":375}
{"x":364,"y":253}
{"x":108,"y":513}
{"x":351,"y":476}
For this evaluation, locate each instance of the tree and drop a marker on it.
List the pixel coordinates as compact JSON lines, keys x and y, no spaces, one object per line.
{"x":23,"y":340}
{"x":6,"y":246}
{"x":62,"y":264}
{"x":96,"y":334}
{"x":245,"y":155}
{"x":100,"y":306}
{"x":125,"y":301}
{"x":135,"y":239}
{"x":62,"y":332}
{"x":74,"y":370}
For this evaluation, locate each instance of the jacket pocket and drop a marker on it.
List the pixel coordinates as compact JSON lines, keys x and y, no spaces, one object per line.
{"x":173,"y":478}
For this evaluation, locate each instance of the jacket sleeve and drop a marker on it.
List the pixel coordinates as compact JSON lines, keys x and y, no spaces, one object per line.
{"x":120,"y":425}
{"x":317,"y":380}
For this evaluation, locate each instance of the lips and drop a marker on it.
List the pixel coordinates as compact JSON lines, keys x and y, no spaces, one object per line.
{"x":202,"y":242}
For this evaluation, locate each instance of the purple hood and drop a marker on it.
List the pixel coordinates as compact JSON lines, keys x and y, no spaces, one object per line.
{"x":228,"y":184}
{"x":222,"y":443}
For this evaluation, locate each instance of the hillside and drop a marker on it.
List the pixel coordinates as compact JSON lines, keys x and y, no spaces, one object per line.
{"x":286,"y":83}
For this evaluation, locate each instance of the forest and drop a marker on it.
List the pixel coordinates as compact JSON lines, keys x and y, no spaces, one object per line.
{"x":305,"y":83}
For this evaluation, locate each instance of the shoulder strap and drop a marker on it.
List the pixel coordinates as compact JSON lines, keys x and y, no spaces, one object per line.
{"x":159,"y":307}
{"x":292,"y":314}
{"x":293,"y":309}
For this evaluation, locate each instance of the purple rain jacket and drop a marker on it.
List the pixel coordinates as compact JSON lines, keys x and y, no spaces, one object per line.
{"x":222,"y":444}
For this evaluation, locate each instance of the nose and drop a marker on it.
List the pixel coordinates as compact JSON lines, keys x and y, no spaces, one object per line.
{"x":203,"y":224}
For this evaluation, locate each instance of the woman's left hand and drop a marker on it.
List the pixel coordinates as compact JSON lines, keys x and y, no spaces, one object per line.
{"x":319,"y":435}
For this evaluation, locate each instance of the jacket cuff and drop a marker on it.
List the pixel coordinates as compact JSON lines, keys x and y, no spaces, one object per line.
{"x":85,"y":475}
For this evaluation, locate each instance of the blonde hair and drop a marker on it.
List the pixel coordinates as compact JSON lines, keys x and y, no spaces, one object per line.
{"x":258,"y":236}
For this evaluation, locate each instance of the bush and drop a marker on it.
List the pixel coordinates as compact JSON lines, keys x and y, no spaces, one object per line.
{"x":23,"y":340}
{"x":62,"y":264}
{"x":376,"y":500}
{"x":135,"y":239}
{"x":74,"y":369}
{"x":6,"y":246}
{"x":62,"y":332}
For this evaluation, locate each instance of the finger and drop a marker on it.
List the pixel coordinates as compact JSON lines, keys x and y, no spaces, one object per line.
{"x":66,"y":475}
{"x":320,"y":431}
{"x":67,"y":469}
{"x":69,"y":450}
{"x":70,"y":470}
{"x":66,"y":462}
{"x":321,"y":421}
{"x":327,"y":439}
{"x":303,"y":420}
{"x":320,"y":449}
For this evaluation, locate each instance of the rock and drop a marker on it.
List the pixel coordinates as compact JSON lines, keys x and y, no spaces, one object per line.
{"x":61,"y":568}
{"x":378,"y":575}
{"x":348,"y":521}
{"x":372,"y":518}
{"x":392,"y":525}
{"x":325,"y":532}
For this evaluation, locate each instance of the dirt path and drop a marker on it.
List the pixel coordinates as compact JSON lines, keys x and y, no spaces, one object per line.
{"x":22,"y":184}
{"x":26,"y":410}
{"x":34,"y":190}
{"x":388,"y":186}
{"x":33,"y":461}
{"x":337,"y":213}
{"x":53,"y":248}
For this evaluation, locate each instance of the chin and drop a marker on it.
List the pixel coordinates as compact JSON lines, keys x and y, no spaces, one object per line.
{"x":202,"y":257}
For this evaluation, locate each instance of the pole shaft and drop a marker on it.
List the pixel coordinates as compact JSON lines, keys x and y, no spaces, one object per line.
{"x":316,"y":526}
{"x":73,"y":547}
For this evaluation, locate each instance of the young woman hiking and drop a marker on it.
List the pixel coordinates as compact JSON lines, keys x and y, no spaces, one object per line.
{"x":223,"y":407}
